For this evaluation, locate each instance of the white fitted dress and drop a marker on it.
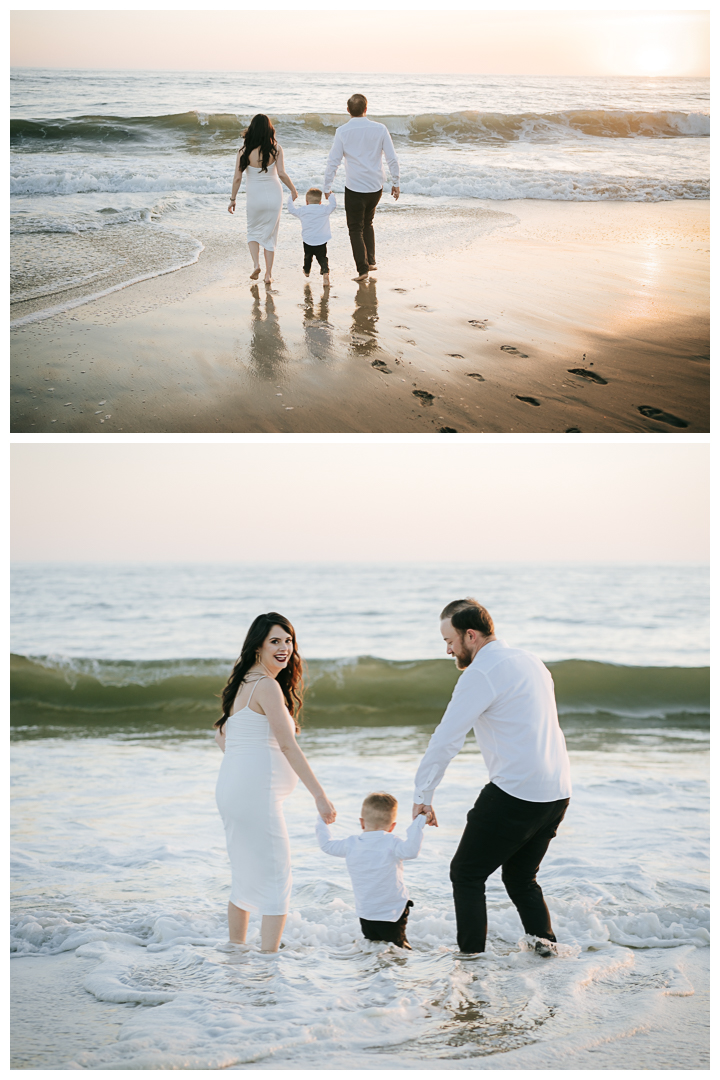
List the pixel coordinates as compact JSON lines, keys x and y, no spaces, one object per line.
{"x":263,"y":203}
{"x":254,"y":780}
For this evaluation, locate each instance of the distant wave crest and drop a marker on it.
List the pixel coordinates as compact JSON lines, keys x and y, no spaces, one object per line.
{"x":467,"y":125}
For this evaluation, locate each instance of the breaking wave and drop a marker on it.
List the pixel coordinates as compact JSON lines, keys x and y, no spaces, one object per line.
{"x":58,"y":691}
{"x":486,"y":127}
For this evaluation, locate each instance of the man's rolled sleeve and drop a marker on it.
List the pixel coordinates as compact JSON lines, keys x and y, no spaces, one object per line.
{"x":473,"y":694}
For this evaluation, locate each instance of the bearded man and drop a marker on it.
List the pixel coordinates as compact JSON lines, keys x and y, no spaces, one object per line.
{"x":507,"y":696}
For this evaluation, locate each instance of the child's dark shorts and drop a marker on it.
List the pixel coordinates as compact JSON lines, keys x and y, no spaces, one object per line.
{"x":320,"y":253}
{"x":394,"y":932}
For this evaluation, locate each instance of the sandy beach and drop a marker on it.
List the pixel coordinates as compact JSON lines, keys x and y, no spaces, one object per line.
{"x":518,"y":316}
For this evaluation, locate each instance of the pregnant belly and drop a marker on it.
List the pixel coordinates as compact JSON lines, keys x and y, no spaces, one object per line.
{"x":253,"y":775}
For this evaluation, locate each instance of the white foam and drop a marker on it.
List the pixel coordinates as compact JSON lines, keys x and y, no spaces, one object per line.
{"x":68,"y":305}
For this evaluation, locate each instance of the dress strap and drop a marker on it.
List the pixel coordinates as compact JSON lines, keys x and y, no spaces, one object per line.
{"x":253,"y":690}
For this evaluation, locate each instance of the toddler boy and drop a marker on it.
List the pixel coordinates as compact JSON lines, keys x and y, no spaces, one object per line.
{"x":374,"y":862}
{"x":315,"y":220}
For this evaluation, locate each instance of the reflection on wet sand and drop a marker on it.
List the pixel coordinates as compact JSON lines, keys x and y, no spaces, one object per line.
{"x":363,"y":335}
{"x":318,"y":331}
{"x":268,"y":352}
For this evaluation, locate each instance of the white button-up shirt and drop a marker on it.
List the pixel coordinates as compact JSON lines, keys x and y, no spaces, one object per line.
{"x":315,"y":219}
{"x":507,"y":696}
{"x":374,"y":862}
{"x":362,"y":143}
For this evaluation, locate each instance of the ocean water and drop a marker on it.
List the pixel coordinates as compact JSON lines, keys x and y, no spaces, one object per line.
{"x":119,"y":862}
{"x":118,"y":853}
{"x":120,"y":176}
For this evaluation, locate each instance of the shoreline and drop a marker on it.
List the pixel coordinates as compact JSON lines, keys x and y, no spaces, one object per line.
{"x":523,"y":316}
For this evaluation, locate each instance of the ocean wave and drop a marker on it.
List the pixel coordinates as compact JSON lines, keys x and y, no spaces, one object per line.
{"x":464,"y":125}
{"x":432,"y":179}
{"x":61,"y":691}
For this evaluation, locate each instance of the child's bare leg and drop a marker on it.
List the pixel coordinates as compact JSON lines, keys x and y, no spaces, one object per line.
{"x":269,"y":257}
{"x":271,"y":930}
{"x":255,"y":256}
{"x":237,"y":924}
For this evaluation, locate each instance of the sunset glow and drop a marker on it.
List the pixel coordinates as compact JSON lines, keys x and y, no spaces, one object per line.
{"x":639,"y":43}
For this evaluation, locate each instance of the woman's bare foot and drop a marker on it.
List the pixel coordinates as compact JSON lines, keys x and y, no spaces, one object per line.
{"x":255,"y":274}
{"x":267,"y":280}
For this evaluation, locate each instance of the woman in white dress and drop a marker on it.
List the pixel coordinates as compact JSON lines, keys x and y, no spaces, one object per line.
{"x":261,"y":159}
{"x":260,"y":768}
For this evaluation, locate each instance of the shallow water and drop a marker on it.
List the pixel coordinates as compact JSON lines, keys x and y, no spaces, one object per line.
{"x":118,"y":854}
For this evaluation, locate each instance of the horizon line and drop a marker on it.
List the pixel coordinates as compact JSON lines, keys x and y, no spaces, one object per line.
{"x":286,"y":71}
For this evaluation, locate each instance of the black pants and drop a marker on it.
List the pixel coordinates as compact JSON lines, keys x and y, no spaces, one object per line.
{"x":515,"y":834}
{"x":359,"y":212}
{"x":320,"y":253}
{"x":394,"y":932}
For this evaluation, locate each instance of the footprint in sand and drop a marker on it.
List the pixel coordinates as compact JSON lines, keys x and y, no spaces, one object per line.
{"x":402,"y":327}
{"x":399,"y":290}
{"x":448,"y":430}
{"x":425,"y":398}
{"x":591,"y":376}
{"x":474,"y":375}
{"x":479,"y":323}
{"x":514,"y":351}
{"x":422,"y":307}
{"x":456,"y":355}
{"x":382,"y":366}
{"x":528,"y":400}
{"x":663,"y":417}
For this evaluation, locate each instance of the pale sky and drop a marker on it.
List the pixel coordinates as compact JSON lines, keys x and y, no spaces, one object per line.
{"x":511,"y":42}
{"x":391,"y":502}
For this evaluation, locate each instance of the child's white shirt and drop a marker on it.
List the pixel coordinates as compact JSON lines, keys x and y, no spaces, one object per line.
{"x":374,"y":862}
{"x":315,"y":220}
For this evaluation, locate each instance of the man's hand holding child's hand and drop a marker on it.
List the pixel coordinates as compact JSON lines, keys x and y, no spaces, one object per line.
{"x":422,"y":808}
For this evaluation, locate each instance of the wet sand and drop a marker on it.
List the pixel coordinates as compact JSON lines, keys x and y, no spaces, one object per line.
{"x":524,"y":316}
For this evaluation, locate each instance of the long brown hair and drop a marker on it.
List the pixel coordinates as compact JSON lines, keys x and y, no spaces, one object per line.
{"x":260,"y":134}
{"x":290,"y":678}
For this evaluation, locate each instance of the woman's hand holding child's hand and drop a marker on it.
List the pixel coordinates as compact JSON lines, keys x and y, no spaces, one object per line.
{"x":325,"y":809}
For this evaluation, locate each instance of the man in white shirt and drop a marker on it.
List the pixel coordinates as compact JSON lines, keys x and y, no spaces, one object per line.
{"x":362,"y":143}
{"x":507,"y":696}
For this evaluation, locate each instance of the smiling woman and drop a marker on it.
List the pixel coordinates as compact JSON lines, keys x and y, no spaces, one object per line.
{"x":260,"y":769}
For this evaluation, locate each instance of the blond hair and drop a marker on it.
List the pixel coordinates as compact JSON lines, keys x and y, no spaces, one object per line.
{"x":379,"y":808}
{"x":313,"y":195}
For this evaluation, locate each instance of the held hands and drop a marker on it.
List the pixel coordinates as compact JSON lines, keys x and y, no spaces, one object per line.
{"x":422,"y":808}
{"x":231,"y":207}
{"x":395,"y":192}
{"x":325,"y":809}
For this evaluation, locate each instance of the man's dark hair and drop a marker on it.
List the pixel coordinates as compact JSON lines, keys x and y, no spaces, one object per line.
{"x":357,"y":104}
{"x":467,"y":614}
